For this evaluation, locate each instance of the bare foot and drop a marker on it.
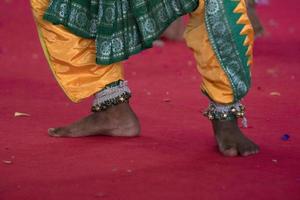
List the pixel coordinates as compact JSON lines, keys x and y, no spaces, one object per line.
{"x":230,"y":139}
{"x":118,"y":120}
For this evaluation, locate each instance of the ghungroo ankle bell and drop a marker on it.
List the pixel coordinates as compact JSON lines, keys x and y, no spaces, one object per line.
{"x":113,"y":94}
{"x":226,"y":112}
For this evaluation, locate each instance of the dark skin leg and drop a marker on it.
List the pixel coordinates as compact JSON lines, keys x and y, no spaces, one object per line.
{"x":257,"y":26}
{"x":118,"y":120}
{"x":231,"y":140}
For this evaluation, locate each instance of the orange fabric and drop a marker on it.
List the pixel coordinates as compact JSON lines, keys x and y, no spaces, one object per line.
{"x":72,"y":59}
{"x":214,"y":80}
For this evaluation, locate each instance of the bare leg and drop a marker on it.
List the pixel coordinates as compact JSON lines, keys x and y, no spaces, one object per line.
{"x":117,"y":120}
{"x":257,"y":26}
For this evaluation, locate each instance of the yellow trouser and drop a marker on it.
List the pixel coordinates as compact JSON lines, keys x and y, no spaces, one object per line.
{"x":214,"y":80}
{"x":72,"y":59}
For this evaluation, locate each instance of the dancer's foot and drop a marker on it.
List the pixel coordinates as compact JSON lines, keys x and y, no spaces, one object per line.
{"x":230,"y":139}
{"x":118,"y":120}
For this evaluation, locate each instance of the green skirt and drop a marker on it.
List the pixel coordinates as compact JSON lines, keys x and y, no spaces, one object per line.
{"x":120,"y":28}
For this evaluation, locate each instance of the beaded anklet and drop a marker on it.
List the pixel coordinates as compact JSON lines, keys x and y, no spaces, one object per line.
{"x":226,"y":112}
{"x":113,"y":94}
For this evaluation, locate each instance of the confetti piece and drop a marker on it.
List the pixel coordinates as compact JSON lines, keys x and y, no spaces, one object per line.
{"x":190,"y":63}
{"x":274,"y":161}
{"x":263,"y":2}
{"x":101,"y":195}
{"x":285,"y":137}
{"x":19,"y":114}
{"x":114,"y":169}
{"x":8,"y":162}
{"x":273,"y":72}
{"x":273,"y":23}
{"x":35,"y":56}
{"x":275,"y":94}
{"x":166,"y":100}
{"x":194,"y":78}
{"x":291,"y":30}
{"x":133,"y":73}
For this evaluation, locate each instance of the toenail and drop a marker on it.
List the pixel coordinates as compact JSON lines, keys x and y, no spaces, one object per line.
{"x":246,"y":154}
{"x":51,"y":131}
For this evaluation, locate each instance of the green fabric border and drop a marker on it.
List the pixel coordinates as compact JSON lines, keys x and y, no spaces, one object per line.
{"x":236,"y":30}
{"x":224,"y":35}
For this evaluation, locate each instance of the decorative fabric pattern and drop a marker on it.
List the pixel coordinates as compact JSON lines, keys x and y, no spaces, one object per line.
{"x":227,"y":23}
{"x":121,"y":28}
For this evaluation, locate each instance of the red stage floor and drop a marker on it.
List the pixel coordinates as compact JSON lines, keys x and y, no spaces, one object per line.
{"x":176,"y":157}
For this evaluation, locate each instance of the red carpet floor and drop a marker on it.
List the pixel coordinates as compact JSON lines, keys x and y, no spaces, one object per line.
{"x":176,"y":156}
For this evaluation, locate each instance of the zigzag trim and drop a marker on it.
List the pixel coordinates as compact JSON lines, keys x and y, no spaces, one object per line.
{"x":247,"y":29}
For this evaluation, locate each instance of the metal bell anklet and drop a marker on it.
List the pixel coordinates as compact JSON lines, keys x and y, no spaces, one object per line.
{"x":226,"y":112}
{"x":113,"y":94}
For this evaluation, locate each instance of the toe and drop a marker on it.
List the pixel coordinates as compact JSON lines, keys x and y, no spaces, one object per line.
{"x":248,"y":153}
{"x":53,"y":132}
{"x":227,"y":148}
{"x":250,"y":150}
{"x":230,"y":152}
